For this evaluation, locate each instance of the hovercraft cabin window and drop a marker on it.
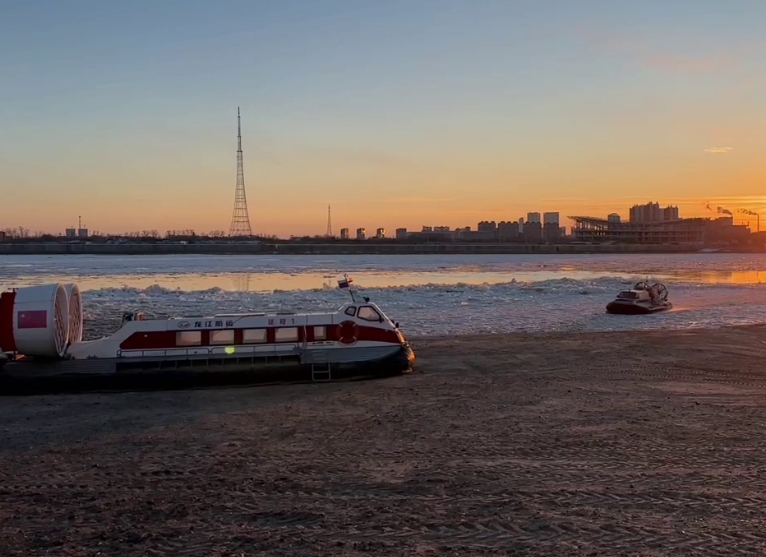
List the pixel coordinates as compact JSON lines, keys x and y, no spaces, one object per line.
{"x":368,"y":314}
{"x":286,"y":334}
{"x":222,"y":337}
{"x":320,"y":333}
{"x":351,"y":311}
{"x":254,"y":336}
{"x":188,"y":338}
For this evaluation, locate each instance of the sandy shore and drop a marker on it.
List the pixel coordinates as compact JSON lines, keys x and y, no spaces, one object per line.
{"x":591,"y":444}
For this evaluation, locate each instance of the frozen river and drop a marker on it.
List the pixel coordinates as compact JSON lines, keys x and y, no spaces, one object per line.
{"x":428,"y":294}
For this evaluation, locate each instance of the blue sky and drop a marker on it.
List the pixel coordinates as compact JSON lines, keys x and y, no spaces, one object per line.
{"x":434,"y":112}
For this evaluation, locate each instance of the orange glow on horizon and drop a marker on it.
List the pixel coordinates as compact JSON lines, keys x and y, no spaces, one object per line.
{"x":288,"y":192}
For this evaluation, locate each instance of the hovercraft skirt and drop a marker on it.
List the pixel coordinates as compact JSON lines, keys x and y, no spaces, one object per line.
{"x":27,"y":378}
{"x":616,"y":308}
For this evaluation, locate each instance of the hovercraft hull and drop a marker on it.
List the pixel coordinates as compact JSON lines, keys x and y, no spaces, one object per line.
{"x":114,"y":374}
{"x":619,"y":308}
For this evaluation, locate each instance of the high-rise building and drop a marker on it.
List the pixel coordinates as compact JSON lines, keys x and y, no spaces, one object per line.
{"x":344,"y":235}
{"x":533,"y":231}
{"x":551,"y":231}
{"x":652,"y":212}
{"x":507,"y":231}
{"x":533,"y":217}
{"x":380,"y":233}
{"x":670,"y":213}
{"x":550,"y":218}
{"x":361,"y":234}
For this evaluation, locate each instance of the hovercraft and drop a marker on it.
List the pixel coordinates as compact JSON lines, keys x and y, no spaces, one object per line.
{"x":644,"y":298}
{"x":42,"y":347}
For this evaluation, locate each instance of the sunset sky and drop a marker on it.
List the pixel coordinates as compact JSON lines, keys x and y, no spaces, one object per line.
{"x":397,"y":113}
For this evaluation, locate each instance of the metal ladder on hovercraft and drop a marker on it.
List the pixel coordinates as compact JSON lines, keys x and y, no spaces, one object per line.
{"x":320,"y":367}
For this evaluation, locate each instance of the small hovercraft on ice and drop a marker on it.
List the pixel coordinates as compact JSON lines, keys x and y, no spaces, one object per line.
{"x":42,"y":348}
{"x":642,"y":299}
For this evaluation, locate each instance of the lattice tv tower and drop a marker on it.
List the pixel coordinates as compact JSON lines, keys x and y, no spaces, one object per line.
{"x":329,"y":223}
{"x":240,"y":219}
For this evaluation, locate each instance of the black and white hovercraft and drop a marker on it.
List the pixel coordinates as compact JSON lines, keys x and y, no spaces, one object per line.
{"x":644,"y":298}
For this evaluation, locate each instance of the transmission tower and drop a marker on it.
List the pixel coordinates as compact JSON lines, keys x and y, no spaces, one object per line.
{"x":240,"y":219}
{"x":329,"y":223}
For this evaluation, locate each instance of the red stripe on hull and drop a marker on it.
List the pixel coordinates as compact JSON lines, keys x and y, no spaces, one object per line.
{"x":373,"y":334}
{"x":150,"y":341}
{"x":7,"y":340}
{"x":159,"y":340}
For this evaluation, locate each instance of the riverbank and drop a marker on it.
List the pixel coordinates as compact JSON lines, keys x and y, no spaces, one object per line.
{"x":366,"y":248}
{"x":544,"y":444}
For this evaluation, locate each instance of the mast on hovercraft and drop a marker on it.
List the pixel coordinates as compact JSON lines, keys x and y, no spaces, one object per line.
{"x":346,"y":284}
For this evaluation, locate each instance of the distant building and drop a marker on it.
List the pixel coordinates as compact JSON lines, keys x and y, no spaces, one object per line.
{"x":2,"y":236}
{"x":71,"y":233}
{"x":401,"y":233}
{"x":550,"y":218}
{"x":344,"y":235}
{"x":613,"y":217}
{"x":723,"y":231}
{"x":533,"y":217}
{"x":487,"y":226}
{"x":380,"y":233}
{"x":428,"y":234}
{"x":521,"y":225}
{"x":652,"y":212}
{"x":533,"y":231}
{"x":441,"y":228}
{"x":361,"y":234}
{"x":680,"y":231}
{"x":82,"y":232}
{"x":551,"y":232}
{"x":670,"y":213}
{"x":507,"y":231}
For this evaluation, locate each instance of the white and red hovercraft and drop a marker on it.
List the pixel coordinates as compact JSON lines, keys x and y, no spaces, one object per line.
{"x":41,"y":331}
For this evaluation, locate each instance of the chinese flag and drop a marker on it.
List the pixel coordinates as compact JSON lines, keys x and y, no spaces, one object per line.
{"x":37,"y":319}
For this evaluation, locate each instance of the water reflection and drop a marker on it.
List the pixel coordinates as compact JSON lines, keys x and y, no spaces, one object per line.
{"x":722,"y":277}
{"x":241,"y":282}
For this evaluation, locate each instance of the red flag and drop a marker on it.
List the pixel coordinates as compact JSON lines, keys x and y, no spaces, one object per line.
{"x":36,"y":319}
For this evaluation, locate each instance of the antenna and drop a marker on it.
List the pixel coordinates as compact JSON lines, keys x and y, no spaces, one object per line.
{"x":329,"y":223}
{"x":239,"y":132}
{"x":240,"y":218}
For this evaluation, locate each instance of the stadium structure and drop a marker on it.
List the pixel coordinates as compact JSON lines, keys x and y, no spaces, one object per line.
{"x":677,"y":231}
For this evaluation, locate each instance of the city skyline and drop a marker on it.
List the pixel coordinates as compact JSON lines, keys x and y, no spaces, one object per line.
{"x":397,"y":115}
{"x":738,"y":215}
